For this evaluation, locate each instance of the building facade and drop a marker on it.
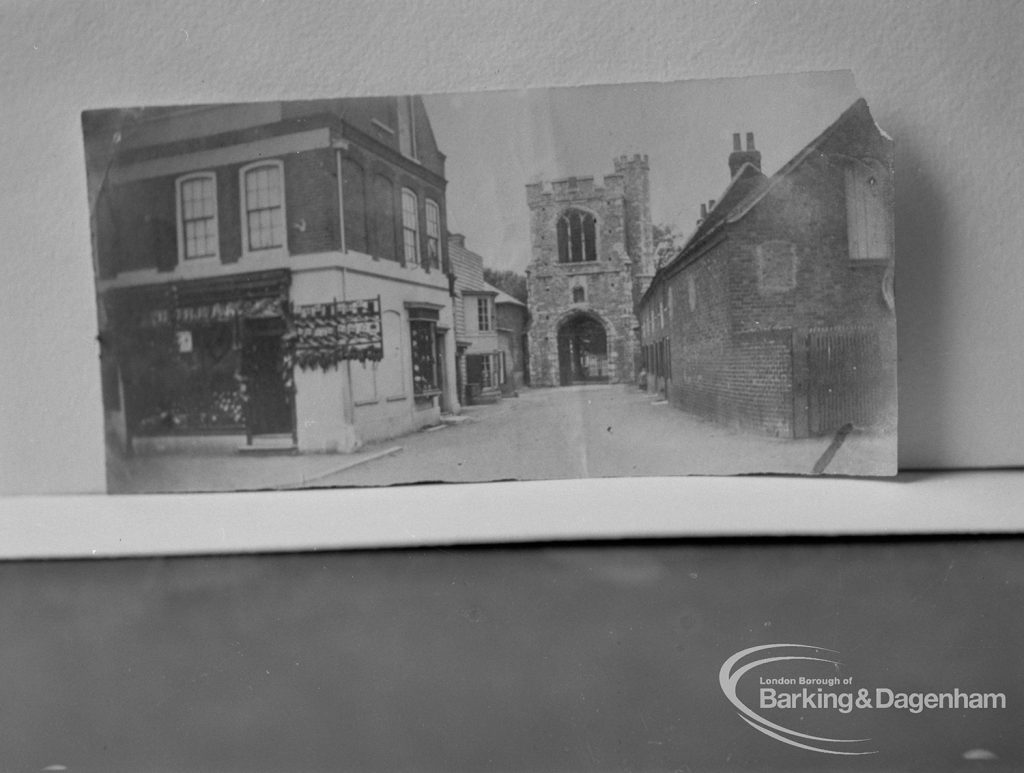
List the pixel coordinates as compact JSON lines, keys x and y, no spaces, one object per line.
{"x":481,"y":366}
{"x":513,"y":322}
{"x":592,"y":257}
{"x":777,"y":315}
{"x":271,"y":274}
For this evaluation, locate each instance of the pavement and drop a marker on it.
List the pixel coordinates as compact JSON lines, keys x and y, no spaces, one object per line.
{"x":164,"y":473}
{"x":587,"y":431}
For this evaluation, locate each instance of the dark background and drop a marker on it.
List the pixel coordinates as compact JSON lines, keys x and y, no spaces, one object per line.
{"x":540,"y":658}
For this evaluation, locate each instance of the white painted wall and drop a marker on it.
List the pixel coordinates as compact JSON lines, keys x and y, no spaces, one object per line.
{"x":943,"y":78}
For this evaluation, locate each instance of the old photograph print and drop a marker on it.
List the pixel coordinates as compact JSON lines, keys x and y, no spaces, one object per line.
{"x":622,"y":280}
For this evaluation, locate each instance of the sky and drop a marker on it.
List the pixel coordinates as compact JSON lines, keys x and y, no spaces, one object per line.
{"x":496,"y":142}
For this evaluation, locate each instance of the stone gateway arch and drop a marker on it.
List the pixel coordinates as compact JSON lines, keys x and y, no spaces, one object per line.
{"x":592,"y":259}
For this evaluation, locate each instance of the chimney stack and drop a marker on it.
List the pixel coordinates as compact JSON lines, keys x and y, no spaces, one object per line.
{"x":739,"y":157}
{"x":457,"y":239}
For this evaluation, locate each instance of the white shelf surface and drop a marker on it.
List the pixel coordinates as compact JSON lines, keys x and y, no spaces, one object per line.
{"x":95,"y":526}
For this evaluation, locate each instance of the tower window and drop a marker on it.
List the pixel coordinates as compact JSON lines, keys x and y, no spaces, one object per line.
{"x":577,"y":237}
{"x":578,"y":295}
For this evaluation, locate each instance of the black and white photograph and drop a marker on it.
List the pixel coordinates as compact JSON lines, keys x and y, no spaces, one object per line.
{"x":483,"y":386}
{"x":596,"y":281}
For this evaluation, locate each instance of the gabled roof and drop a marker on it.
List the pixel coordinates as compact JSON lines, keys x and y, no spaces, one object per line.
{"x":860,"y":107}
{"x":749,"y":181}
{"x":748,"y":187}
{"x":503,"y":297}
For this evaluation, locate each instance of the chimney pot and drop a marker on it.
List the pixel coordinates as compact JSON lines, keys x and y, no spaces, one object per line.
{"x":739,"y":157}
{"x":703,"y":211}
{"x":711,"y":205}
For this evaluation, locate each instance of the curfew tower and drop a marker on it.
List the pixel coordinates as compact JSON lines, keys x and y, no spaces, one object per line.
{"x":592,"y":258}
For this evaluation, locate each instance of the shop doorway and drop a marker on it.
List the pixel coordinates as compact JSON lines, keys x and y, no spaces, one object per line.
{"x":270,"y":406}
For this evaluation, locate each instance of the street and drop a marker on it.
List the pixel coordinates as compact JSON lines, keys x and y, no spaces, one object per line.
{"x":594,"y":431}
{"x":591,"y":431}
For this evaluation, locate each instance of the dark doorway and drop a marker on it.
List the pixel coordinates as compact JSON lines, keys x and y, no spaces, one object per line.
{"x":582,"y":351}
{"x":270,"y":400}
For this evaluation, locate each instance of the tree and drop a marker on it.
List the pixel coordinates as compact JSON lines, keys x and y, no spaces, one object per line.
{"x":508,"y":282}
{"x":663,"y":231}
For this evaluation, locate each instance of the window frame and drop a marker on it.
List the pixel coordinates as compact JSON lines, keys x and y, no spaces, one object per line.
{"x":179,"y":184}
{"x":243,"y":200}
{"x":484,"y":314}
{"x":487,"y":371}
{"x":431,"y":206}
{"x":411,"y":234}
{"x":565,"y":242}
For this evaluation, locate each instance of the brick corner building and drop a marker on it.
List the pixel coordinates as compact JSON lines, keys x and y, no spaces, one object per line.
{"x":592,"y":259}
{"x":778,"y":313}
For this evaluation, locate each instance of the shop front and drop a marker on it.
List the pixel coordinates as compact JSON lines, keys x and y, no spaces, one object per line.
{"x":204,"y":357}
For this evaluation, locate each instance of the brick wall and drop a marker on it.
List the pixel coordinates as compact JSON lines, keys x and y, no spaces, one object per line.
{"x":367,"y":229}
{"x":311,"y":198}
{"x":782,"y":268}
{"x":138,"y":229}
{"x":805,"y":223}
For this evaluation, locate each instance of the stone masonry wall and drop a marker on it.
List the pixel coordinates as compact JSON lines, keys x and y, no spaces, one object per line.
{"x":623,"y":239}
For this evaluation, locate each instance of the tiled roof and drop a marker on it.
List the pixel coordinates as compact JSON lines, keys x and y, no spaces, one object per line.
{"x":748,"y":182}
{"x":504,"y":297}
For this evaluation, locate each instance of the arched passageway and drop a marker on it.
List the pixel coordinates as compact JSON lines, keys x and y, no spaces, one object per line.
{"x":582,"y":350}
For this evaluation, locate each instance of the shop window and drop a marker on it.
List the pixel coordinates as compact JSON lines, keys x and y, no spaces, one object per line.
{"x":197,"y":217}
{"x":426,"y":376}
{"x":410,"y":228}
{"x":263,"y":206}
{"x":185,"y":380}
{"x":433,"y":234}
{"x":577,"y":236}
{"x":353,"y":191}
{"x":869,"y":211}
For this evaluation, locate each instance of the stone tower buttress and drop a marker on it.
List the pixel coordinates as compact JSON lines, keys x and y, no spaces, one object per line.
{"x":635,"y":172}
